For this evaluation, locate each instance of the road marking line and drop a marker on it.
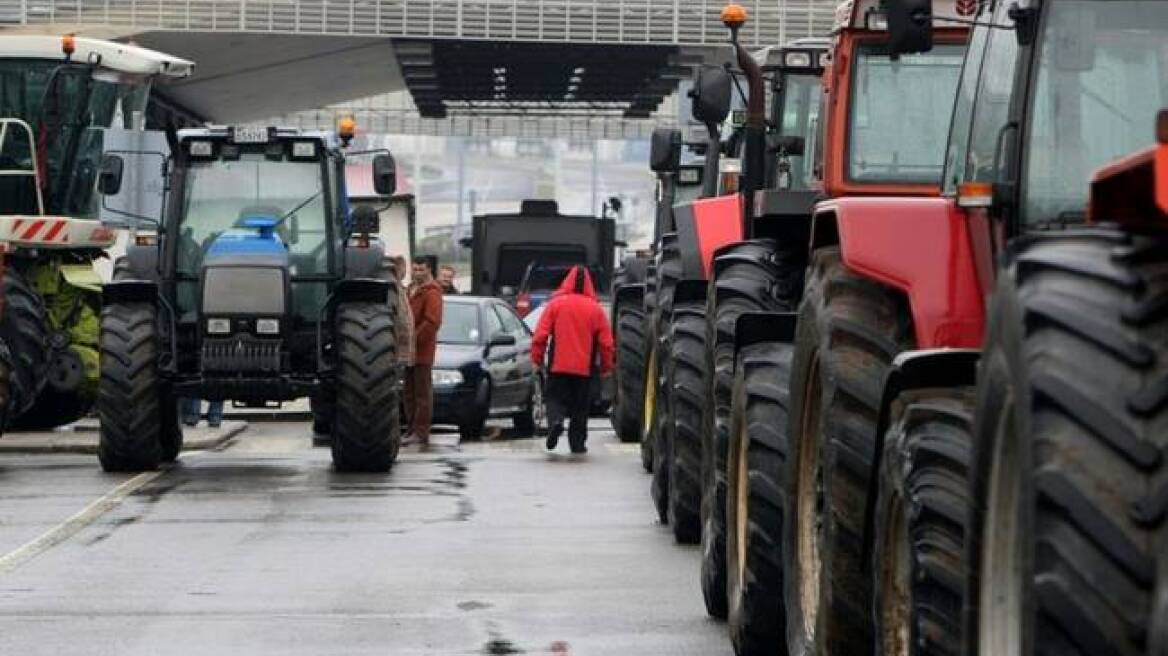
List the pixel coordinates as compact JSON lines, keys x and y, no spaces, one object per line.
{"x":76,"y":523}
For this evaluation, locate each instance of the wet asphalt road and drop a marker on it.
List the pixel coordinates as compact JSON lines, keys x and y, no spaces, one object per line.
{"x":260,"y":548}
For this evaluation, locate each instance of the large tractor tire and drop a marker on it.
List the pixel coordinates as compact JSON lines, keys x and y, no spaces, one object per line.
{"x":24,"y":328}
{"x":758,"y":446}
{"x":668,"y":275}
{"x":751,"y":276}
{"x":918,"y":572}
{"x":366,"y":433}
{"x":687,"y":375}
{"x":130,"y":404}
{"x":648,"y":393}
{"x":632,"y":344}
{"x":1069,"y":536}
{"x":848,"y":333}
{"x":5,"y":385}
{"x":323,"y":407}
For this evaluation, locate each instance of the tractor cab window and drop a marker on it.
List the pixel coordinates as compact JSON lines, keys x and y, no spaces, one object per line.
{"x":220,"y":195}
{"x":800,"y":118}
{"x":64,"y":106}
{"x":1102,"y":77}
{"x":900,"y":114}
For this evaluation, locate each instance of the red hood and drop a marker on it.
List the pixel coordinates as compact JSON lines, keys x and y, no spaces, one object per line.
{"x":572,"y":286}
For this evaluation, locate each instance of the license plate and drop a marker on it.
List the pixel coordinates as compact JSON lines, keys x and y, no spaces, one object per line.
{"x":249,"y":135}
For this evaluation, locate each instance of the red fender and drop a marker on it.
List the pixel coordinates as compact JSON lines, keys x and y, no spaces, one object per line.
{"x":703,"y":227}
{"x":923,"y":247}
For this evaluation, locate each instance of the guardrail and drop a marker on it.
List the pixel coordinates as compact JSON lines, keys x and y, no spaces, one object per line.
{"x":693,"y":22}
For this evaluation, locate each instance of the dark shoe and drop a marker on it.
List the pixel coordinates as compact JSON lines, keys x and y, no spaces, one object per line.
{"x":215,"y":423}
{"x":580,"y":450}
{"x":553,"y":437}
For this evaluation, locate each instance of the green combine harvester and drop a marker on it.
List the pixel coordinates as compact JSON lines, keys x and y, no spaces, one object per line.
{"x":57,"y":96}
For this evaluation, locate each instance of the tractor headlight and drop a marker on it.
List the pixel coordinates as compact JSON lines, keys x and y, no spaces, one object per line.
{"x":446,"y":377}
{"x":797,"y":60}
{"x":268,"y":326}
{"x":218,"y":326}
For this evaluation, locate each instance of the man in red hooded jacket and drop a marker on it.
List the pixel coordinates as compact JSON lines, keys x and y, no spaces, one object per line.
{"x":578,"y":330}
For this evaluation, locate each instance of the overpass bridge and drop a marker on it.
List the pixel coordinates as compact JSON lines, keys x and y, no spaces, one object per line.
{"x":596,"y":67}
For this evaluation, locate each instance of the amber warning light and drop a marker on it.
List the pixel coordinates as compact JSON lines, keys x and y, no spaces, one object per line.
{"x":734,"y":15}
{"x":347,"y":129}
{"x":68,"y":45}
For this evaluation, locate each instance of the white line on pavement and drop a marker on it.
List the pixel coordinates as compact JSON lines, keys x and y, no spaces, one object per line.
{"x":70,"y":527}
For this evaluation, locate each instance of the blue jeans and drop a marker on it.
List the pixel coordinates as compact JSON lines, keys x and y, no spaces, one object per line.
{"x":191,"y":411}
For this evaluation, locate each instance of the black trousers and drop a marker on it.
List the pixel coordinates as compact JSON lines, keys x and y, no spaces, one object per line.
{"x":570,"y":397}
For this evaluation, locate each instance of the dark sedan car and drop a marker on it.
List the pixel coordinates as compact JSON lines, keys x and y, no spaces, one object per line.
{"x":483,"y":368}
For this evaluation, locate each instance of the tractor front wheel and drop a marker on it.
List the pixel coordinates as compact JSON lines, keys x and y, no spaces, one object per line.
{"x":129,"y":404}
{"x":366,"y":429}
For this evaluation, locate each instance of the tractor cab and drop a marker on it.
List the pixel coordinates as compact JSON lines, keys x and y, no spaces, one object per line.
{"x":887,"y":118}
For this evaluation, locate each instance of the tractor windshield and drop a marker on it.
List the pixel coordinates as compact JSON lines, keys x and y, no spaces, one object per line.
{"x":1102,"y":77}
{"x":61,"y":104}
{"x":900,"y":111}
{"x":222,"y":194}
{"x":800,"y":118}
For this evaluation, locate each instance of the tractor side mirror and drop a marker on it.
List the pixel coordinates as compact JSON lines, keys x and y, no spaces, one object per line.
{"x":711,"y":95}
{"x":366,"y":220}
{"x":910,"y":26}
{"x":665,"y":150}
{"x":384,"y":175}
{"x":790,"y":145}
{"x":109,"y":177}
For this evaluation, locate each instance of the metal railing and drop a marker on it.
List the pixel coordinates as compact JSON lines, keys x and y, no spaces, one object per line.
{"x":693,"y":22}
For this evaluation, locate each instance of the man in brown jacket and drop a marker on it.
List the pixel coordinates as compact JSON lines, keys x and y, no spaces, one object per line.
{"x":426,"y":307}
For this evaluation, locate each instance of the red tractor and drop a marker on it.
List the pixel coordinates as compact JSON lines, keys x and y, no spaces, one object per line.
{"x":879,"y":139}
{"x":1017,"y":496}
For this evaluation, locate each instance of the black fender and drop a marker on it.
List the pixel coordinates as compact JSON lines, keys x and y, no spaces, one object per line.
{"x":690,"y":291}
{"x":142,"y":261}
{"x":914,"y":370}
{"x":362,"y":290}
{"x":129,"y":291}
{"x":629,"y":294}
{"x":364,"y":261}
{"x":756,"y":327}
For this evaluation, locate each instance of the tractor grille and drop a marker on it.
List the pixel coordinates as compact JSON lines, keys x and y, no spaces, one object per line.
{"x":241,"y":355}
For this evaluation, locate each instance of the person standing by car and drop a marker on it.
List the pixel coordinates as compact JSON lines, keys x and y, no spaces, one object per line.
{"x":577,"y":327}
{"x":426,"y":306}
{"x":404,"y":327}
{"x":446,"y":275}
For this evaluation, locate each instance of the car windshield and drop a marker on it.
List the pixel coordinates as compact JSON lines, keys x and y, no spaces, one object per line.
{"x":460,"y":324}
{"x":545,"y":278}
{"x":900,"y":114}
{"x":1102,"y":77}
{"x":220,"y":195}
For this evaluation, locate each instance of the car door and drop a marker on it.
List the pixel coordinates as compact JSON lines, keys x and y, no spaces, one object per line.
{"x":520,"y":380}
{"x":500,"y":360}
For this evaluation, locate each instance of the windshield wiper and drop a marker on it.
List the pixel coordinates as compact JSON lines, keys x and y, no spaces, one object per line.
{"x":298,"y":208}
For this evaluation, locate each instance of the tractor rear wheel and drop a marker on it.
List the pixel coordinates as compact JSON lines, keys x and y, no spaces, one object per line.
{"x":918,"y":573}
{"x":367,"y":430}
{"x":129,"y":402}
{"x":24,"y":328}
{"x":758,"y":445}
{"x":750,"y":276}
{"x":5,"y":385}
{"x":668,"y":275}
{"x":1069,"y":535}
{"x":631,"y":362}
{"x":687,"y":375}
{"x":849,"y":330}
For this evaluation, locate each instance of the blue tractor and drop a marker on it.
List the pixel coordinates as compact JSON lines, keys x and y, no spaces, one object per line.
{"x":259,"y":286}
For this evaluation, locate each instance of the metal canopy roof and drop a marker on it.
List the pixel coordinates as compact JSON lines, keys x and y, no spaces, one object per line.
{"x":450,"y":77}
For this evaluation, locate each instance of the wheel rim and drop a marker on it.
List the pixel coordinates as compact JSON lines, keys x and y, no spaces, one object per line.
{"x":538,"y":410}
{"x":648,"y":412}
{"x":742,"y":499}
{"x":896,"y":600}
{"x":1000,"y":608}
{"x":809,"y":503}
